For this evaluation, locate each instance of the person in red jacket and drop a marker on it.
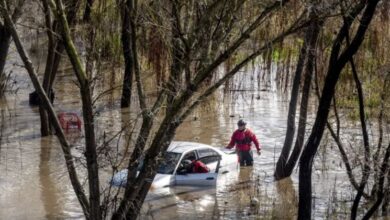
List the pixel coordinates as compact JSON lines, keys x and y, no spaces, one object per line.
{"x":195,"y":166}
{"x":242,"y":139}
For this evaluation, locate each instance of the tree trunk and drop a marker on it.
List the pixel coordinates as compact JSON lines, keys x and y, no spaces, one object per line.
{"x":54,"y":54}
{"x":90,"y":153}
{"x":59,"y":52}
{"x":150,"y":169}
{"x":366,"y":167}
{"x":336,"y":65}
{"x":71,"y":15}
{"x":311,"y":55}
{"x":281,"y":166}
{"x":134,"y":212}
{"x":87,"y":106}
{"x":177,"y":56}
{"x":45,"y":128}
{"x":127,"y":54}
{"x":5,"y":41}
{"x":88,"y":10}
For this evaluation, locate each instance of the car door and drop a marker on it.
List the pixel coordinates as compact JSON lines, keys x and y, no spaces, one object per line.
{"x":195,"y":179}
{"x":212,"y":158}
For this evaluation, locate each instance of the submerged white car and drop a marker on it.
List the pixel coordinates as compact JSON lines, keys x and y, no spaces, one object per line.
{"x":219,"y":162}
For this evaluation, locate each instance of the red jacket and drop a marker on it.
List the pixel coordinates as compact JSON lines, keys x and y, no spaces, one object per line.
{"x":243,"y":139}
{"x":199,"y":167}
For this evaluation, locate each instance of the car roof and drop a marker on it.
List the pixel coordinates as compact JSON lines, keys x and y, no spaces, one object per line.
{"x":183,"y":146}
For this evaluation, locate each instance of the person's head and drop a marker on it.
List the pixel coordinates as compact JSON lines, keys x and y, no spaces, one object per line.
{"x":187,"y":165}
{"x":241,"y":124}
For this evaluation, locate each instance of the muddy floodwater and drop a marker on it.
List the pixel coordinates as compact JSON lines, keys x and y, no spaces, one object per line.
{"x":34,"y":183}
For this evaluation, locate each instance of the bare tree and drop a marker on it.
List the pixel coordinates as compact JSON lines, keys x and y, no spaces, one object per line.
{"x":286,"y":162}
{"x":336,"y":64}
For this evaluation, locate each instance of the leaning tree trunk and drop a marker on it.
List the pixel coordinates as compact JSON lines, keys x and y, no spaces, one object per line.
{"x":336,"y":65}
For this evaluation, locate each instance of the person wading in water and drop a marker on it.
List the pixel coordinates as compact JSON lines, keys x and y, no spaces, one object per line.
{"x":242,"y":139}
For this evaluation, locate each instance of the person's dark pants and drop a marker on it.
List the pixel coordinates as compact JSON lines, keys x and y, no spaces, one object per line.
{"x":246,"y":158}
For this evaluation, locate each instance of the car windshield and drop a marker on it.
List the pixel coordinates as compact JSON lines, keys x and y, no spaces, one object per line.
{"x":168,"y":163}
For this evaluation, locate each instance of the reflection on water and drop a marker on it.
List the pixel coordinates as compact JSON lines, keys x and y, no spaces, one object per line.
{"x":288,"y":199}
{"x":49,"y":194}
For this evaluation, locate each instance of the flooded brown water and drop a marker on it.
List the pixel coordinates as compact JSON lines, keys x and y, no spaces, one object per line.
{"x":34,"y":183}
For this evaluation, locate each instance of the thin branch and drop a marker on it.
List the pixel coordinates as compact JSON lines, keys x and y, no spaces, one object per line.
{"x":137,"y":70}
{"x":237,"y":43}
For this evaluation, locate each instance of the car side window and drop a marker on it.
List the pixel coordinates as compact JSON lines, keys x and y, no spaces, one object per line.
{"x":190,"y":156}
{"x":208,"y":155}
